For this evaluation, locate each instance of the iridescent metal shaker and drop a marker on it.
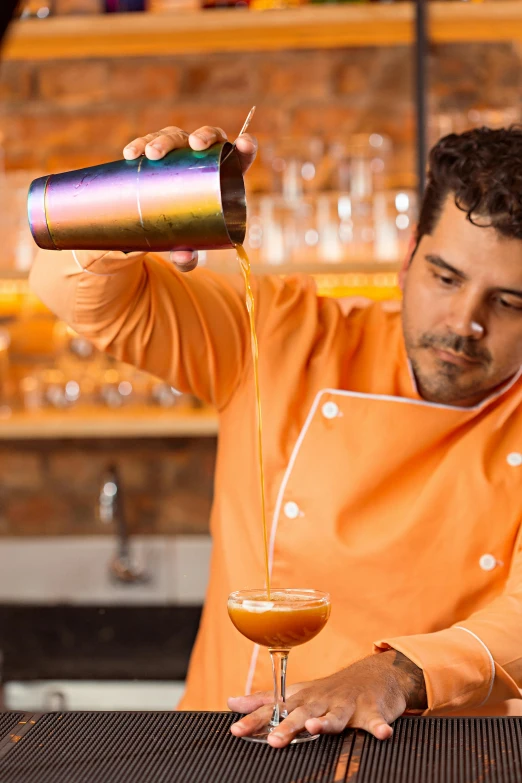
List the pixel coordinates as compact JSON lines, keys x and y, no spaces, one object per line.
{"x":188,"y":200}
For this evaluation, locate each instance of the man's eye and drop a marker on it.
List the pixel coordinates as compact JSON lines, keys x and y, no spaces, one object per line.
{"x":445,"y":280}
{"x":506,"y":305}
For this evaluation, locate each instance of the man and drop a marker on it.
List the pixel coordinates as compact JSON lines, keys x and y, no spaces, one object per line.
{"x":393,"y":448}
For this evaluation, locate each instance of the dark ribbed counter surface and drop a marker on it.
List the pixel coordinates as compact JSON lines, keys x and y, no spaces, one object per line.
{"x":197,"y":747}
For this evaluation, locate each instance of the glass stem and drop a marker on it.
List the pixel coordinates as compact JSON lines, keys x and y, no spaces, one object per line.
{"x":279,"y":662}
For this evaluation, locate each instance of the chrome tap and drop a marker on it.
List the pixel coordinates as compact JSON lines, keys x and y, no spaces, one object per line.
{"x":111,"y":510}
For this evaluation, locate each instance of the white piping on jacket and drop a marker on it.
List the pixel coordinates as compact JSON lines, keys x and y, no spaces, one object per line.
{"x":88,"y":271}
{"x":299,"y":442}
{"x":491,"y":661}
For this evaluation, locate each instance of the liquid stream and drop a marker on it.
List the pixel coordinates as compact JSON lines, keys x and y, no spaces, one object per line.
{"x":245,"y":269}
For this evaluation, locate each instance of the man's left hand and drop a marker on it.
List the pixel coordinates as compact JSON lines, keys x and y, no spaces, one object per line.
{"x":370,"y":694}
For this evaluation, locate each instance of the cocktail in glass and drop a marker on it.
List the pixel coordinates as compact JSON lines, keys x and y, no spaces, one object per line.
{"x":288,"y":618}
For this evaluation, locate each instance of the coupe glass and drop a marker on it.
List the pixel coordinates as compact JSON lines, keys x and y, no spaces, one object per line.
{"x":290,"y":617}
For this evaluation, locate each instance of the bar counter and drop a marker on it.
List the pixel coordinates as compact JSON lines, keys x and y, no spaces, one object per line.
{"x":197,"y":747}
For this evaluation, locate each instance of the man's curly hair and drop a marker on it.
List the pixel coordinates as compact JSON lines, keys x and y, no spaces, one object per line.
{"x":482,"y":170}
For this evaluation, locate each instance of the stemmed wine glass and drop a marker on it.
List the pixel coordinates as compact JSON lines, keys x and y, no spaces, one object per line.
{"x":285,"y":619}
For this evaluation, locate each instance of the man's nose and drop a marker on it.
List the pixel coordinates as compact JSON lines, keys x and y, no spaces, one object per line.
{"x":466,"y":317}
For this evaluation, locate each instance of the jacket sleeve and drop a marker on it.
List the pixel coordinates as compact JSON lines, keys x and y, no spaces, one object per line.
{"x":477,"y":661}
{"x":188,"y":329}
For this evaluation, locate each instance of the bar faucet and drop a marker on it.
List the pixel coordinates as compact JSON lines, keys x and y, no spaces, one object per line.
{"x":111,"y":511}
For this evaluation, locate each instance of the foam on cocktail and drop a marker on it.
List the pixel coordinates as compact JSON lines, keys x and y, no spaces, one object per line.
{"x":284,"y":621}
{"x":279,"y":602}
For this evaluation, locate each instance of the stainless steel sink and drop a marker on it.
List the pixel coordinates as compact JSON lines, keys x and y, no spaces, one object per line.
{"x":61,"y":695}
{"x":77,"y":570}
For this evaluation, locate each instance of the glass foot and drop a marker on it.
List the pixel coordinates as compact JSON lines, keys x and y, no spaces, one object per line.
{"x":263,"y":734}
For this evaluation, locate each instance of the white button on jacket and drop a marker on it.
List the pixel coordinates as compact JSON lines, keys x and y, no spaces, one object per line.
{"x":488,"y":562}
{"x":330,"y":410}
{"x":291,"y":510}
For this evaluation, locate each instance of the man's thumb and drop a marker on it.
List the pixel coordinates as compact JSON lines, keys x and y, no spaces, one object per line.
{"x":250,"y":703}
{"x":185,"y":260}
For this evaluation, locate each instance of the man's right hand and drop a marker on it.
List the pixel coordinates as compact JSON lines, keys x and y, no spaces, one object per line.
{"x":156,"y":145}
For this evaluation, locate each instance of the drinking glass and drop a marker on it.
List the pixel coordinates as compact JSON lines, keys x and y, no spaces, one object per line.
{"x":290,"y":617}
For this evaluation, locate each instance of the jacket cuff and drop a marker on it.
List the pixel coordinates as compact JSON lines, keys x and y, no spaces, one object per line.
{"x":459,"y":670}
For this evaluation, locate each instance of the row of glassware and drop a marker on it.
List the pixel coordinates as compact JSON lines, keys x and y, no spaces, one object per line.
{"x":328,"y":201}
{"x":114,"y":387}
{"x":77,"y":374}
{"x":331,"y":228}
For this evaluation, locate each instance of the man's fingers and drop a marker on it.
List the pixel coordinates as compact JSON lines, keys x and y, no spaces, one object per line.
{"x":186,"y":267}
{"x":255,"y":701}
{"x":250,"y":703}
{"x":168,"y":139}
{"x":184,"y":260}
{"x":372,"y":721}
{"x":206,"y":136}
{"x":156,"y":145}
{"x":295,"y":723}
{"x":253,"y":722}
{"x":246,"y":146}
{"x":260,"y":707}
{"x":333,"y":722}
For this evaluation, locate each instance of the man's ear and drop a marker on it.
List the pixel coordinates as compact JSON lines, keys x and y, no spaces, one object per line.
{"x":408,"y":256}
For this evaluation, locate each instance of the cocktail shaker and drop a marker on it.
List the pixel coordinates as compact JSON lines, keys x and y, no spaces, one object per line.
{"x":188,"y":200}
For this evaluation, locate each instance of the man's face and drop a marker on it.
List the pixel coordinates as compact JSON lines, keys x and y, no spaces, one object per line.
{"x":462,"y":310}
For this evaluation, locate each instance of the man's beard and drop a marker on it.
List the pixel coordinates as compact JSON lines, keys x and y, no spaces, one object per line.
{"x":444,"y":386}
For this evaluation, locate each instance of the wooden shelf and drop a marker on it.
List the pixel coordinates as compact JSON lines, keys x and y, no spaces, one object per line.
{"x":136,"y":422}
{"x":312,"y":268}
{"x":15,"y":281}
{"x":378,"y":280}
{"x":308,"y":27}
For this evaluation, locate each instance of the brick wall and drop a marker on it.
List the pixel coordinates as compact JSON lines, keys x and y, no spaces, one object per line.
{"x":56,"y":116}
{"x":60,"y":115}
{"x":51,"y":487}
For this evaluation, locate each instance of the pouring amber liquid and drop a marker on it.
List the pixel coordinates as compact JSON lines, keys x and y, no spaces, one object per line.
{"x":245,"y":269}
{"x":277,"y":619}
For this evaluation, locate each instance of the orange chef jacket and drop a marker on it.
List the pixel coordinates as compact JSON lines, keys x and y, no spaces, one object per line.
{"x":407,"y":512}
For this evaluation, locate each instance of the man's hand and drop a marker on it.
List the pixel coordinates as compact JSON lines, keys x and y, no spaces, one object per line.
{"x":156,"y":145}
{"x":370,"y":694}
